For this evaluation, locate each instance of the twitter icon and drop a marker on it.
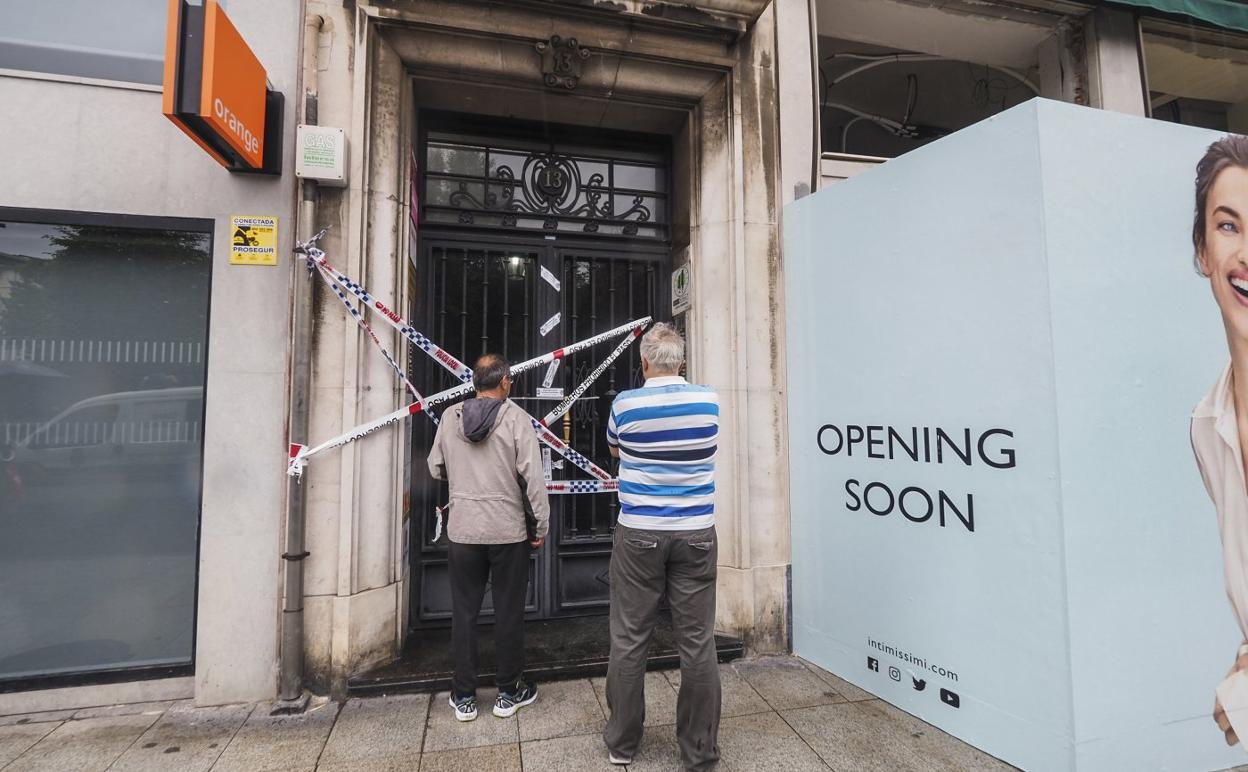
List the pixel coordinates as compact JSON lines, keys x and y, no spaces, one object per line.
{"x":919,"y":684}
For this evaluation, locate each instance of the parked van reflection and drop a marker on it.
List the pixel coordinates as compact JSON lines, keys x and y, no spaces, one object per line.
{"x":148,"y":436}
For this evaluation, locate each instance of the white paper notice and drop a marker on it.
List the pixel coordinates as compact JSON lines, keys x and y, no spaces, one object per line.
{"x":550,"y":373}
{"x":545,"y":393}
{"x":550,"y":324}
{"x":550,"y":278}
{"x":546,"y":463}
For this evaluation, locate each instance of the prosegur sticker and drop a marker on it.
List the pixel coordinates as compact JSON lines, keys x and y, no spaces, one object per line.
{"x":253,"y":240}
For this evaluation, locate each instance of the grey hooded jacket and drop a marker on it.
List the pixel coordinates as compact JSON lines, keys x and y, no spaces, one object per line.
{"x":488,"y":451}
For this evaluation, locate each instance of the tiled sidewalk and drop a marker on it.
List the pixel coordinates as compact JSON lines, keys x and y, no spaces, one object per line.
{"x":780,"y":713}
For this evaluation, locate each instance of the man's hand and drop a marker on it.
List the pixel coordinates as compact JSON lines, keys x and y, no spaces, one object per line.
{"x":538,"y":542}
{"x":1219,"y":713}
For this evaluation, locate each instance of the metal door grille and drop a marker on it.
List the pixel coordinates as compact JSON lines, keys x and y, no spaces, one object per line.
{"x":495,"y":212}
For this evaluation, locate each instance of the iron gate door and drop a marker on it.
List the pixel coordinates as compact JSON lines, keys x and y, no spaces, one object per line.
{"x":475,"y":297}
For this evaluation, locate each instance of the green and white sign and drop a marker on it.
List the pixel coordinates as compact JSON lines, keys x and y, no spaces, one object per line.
{"x":682,"y":289}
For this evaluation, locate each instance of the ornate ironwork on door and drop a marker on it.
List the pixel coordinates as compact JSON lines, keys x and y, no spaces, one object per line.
{"x":524,"y":186}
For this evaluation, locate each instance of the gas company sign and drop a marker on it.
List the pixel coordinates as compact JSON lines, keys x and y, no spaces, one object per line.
{"x":216,"y":90}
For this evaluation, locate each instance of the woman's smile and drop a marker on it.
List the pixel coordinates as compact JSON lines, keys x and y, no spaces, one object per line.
{"x":1239,"y":283}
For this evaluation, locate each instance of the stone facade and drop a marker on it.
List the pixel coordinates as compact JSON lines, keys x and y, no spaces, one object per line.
{"x":713,"y":89}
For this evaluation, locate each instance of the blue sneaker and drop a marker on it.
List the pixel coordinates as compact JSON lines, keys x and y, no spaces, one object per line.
{"x":508,"y":702}
{"x":465,"y":707}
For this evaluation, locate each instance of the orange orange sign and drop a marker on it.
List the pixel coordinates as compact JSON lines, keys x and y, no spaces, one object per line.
{"x":215,"y":87}
{"x":232,"y":98}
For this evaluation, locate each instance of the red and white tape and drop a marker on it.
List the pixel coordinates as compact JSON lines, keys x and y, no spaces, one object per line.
{"x":299,"y":454}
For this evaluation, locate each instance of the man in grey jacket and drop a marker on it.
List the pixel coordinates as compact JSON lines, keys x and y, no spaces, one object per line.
{"x":487,"y":450}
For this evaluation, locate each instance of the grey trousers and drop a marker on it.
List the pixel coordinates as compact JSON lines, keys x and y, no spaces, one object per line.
{"x":644,"y":566}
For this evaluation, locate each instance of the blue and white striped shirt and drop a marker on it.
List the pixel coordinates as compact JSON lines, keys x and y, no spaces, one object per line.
{"x":666,"y":433}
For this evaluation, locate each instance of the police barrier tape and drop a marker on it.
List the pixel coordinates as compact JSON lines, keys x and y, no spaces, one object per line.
{"x":582,"y":486}
{"x":457,"y":368}
{"x":554,"y":487}
{"x":299,"y":459}
{"x":299,"y":454}
{"x":359,"y":318}
{"x":562,"y":448}
{"x":576,"y":394}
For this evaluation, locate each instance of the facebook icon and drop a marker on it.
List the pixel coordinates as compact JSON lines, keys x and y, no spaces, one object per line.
{"x":873,"y":664}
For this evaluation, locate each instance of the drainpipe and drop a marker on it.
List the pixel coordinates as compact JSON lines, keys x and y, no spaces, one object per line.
{"x":817,"y":135}
{"x":291,"y":695}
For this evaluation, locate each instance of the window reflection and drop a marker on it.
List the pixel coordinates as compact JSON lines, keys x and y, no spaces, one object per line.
{"x":102,"y":364}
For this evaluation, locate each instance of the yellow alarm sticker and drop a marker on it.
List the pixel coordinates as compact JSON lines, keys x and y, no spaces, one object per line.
{"x":253,"y":240}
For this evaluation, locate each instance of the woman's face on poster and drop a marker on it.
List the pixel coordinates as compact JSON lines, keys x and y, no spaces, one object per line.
{"x":1224,"y":258}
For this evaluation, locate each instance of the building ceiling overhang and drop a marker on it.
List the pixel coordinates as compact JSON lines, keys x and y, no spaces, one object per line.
{"x":729,"y":15}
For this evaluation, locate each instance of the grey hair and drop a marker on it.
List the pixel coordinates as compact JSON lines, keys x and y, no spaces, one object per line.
{"x":490,"y":371}
{"x":663,"y":347}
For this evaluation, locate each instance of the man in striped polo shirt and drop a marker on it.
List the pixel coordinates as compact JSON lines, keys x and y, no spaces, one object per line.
{"x":664,"y":435}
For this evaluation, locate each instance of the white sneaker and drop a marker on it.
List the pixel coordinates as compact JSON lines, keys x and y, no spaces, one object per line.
{"x":465,"y":707}
{"x":618,"y":759}
{"x":507,"y":703}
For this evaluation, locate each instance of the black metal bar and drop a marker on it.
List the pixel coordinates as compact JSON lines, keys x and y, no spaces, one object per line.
{"x":486,"y":260}
{"x":487,"y":179}
{"x":611,"y":315}
{"x":464,"y":266}
{"x":442,"y":296}
{"x":452,"y":230}
{"x":506,"y":304}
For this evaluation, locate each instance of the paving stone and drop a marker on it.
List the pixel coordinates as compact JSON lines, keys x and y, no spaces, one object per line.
{"x":786,"y":683}
{"x":79,"y":746}
{"x":443,"y":732}
{"x":128,"y":709}
{"x":268,"y":743}
{"x":379,"y":729}
{"x":855,"y":737}
{"x":36,"y":718}
{"x":738,"y":698}
{"x":489,"y":758}
{"x":186,"y":738}
{"x":408,"y":764}
{"x":838,"y":684}
{"x":16,"y":740}
{"x":939,"y":750}
{"x":660,"y":699}
{"x":766,"y":743}
{"x":658,"y":751}
{"x":563,"y":708}
{"x":565,"y":754}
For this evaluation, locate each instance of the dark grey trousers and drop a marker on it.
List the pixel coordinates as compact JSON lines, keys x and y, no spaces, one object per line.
{"x":644,"y":566}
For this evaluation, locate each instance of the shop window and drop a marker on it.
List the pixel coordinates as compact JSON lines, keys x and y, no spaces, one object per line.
{"x":894,"y":76}
{"x":103,"y":333}
{"x":1197,"y":76}
{"x":116,"y":40}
